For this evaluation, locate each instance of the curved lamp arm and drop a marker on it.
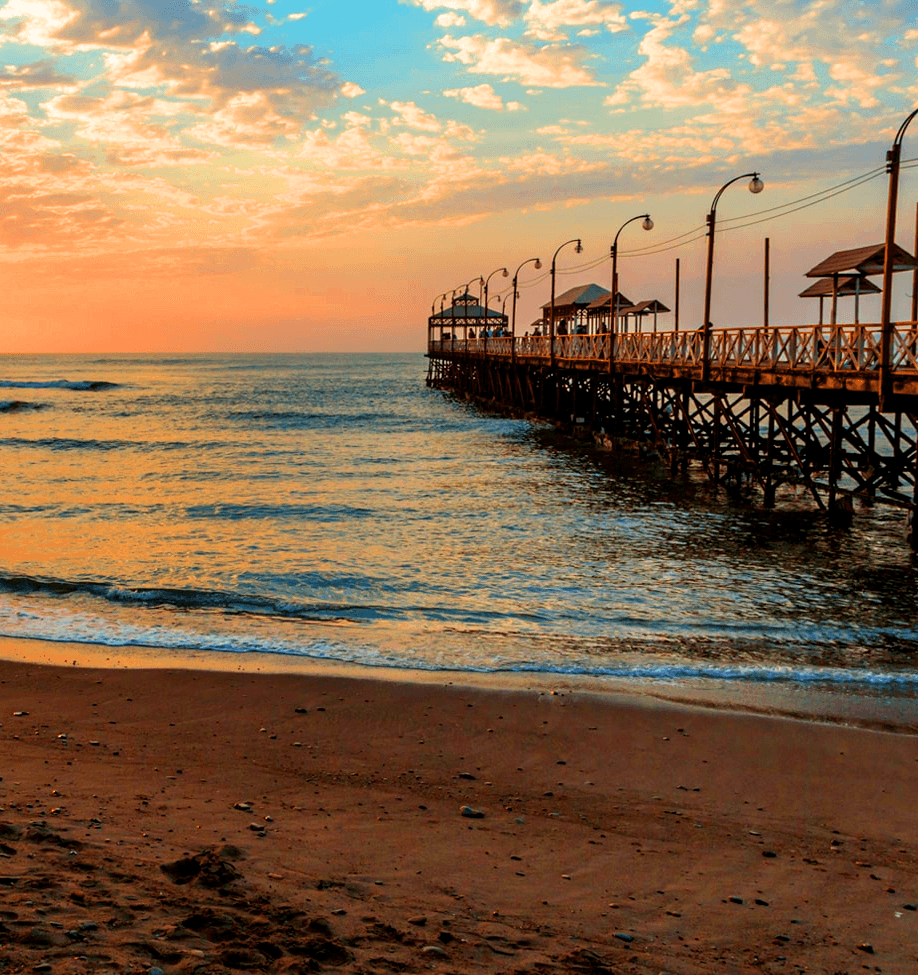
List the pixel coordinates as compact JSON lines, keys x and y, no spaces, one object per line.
{"x":755,"y":186}
{"x":648,"y":225}
{"x":538,"y":265}
{"x":579,"y":248}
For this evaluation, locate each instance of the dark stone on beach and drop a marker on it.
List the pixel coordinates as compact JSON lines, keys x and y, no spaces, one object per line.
{"x":770,"y":854}
{"x":446,"y":936}
{"x":910,"y":907}
{"x":206,"y":869}
{"x":418,"y":921}
{"x":434,"y":950}
{"x":301,"y":711}
{"x":736,"y":900}
{"x":866,"y":948}
{"x":471,"y":813}
{"x":760,"y":902}
{"x":627,"y":938}
{"x":467,"y":775}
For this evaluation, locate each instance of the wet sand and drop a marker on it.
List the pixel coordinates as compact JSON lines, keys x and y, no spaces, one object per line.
{"x":197,"y":821}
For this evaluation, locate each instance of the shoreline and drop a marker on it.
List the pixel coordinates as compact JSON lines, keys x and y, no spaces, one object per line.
{"x":185,"y":819}
{"x":820,"y":702}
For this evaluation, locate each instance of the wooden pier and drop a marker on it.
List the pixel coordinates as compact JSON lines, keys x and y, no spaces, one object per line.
{"x":832,"y":409}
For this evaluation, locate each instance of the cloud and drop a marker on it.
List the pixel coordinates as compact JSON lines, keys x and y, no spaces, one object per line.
{"x":187,"y":51}
{"x":450,"y":20}
{"x":482,"y":96}
{"x":494,"y":13}
{"x":549,"y":66}
{"x":547,"y":20}
{"x":415,"y":118}
{"x":32,"y":77}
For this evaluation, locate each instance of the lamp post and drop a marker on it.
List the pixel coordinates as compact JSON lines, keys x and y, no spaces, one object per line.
{"x":613,"y":307}
{"x":486,"y":282}
{"x":755,"y":186}
{"x":464,"y":290}
{"x":538,"y":265}
{"x":551,"y":317}
{"x":892,"y":167}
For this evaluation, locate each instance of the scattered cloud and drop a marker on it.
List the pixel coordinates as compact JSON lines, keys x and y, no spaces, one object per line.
{"x":494,"y":13}
{"x":548,"y":66}
{"x":483,"y":96}
{"x":548,"y":20}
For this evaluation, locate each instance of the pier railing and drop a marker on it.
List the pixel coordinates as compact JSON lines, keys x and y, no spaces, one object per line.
{"x":810,"y":349}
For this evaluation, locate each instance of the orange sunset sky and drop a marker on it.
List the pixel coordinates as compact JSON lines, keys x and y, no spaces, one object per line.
{"x":286,"y":176}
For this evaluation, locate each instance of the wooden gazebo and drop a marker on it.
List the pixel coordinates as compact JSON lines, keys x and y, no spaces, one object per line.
{"x":464,"y":319}
{"x":571,"y":307}
{"x":599,"y":316}
{"x":642,"y":310}
{"x":861,"y":262}
{"x":844,"y":287}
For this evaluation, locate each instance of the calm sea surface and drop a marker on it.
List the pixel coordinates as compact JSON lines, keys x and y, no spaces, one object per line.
{"x":333,"y":507}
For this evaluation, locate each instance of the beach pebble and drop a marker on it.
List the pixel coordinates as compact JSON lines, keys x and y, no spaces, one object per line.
{"x":243,"y":806}
{"x":301,"y":711}
{"x":419,"y":920}
{"x":865,"y":947}
{"x":435,"y":950}
{"x":627,"y":938}
{"x":20,"y":714}
{"x":467,"y":775}
{"x":736,"y":900}
{"x":471,"y":813}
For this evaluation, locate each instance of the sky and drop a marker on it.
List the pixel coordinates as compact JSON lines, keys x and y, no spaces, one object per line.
{"x":286,"y":175}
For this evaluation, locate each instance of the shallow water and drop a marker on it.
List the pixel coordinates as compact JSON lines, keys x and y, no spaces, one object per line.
{"x":333,"y":507}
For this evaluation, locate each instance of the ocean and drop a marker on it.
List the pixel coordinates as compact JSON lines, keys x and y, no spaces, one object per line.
{"x":333,"y":508}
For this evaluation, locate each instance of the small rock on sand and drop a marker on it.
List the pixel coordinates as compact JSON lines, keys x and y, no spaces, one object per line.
{"x":471,"y":813}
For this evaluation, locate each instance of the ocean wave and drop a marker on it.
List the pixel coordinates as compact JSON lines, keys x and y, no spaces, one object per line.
{"x":236,"y":604}
{"x":119,"y":634}
{"x":18,"y":406}
{"x":78,"y":385}
{"x":75,"y":443}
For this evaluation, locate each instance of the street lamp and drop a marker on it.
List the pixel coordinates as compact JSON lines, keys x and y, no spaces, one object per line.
{"x":433,"y":307}
{"x":486,"y":281}
{"x":647,"y":225}
{"x":538,"y":265}
{"x":755,"y":186}
{"x":551,"y":317}
{"x":892,"y":167}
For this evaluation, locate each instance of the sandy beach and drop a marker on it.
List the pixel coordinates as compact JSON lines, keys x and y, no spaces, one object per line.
{"x":194,"y":821}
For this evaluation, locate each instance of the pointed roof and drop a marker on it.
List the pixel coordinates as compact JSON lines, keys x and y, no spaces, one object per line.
{"x":851,"y":284}
{"x":466,"y":306}
{"x":606,"y":300}
{"x":652,"y":306}
{"x":581,"y":296}
{"x":862,"y":260}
